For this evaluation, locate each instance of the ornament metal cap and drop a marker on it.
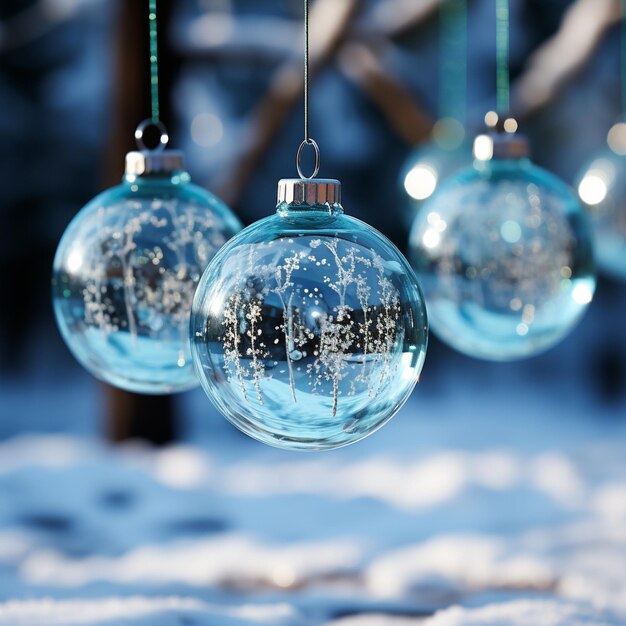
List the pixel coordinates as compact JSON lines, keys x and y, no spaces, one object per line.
{"x":146,"y":162}
{"x":312,"y":192}
{"x":501,"y":140}
{"x":500,"y":146}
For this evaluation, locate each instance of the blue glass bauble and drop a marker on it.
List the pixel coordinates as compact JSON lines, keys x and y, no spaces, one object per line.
{"x":308,"y":328}
{"x":503,"y":252}
{"x":432,"y":163}
{"x":602,"y":187}
{"x":126,"y":270}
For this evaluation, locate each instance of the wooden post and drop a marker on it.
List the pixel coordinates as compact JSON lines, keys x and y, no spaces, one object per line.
{"x":132,"y":416}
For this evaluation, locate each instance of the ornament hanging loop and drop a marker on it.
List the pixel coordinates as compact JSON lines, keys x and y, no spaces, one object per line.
{"x":163,"y":136}
{"x":303,"y":145}
{"x":307,"y":140}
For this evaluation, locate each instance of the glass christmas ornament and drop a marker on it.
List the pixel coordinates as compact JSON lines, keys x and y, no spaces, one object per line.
{"x":503,"y":252}
{"x":429,"y":165}
{"x":602,"y":187}
{"x":308,"y":328}
{"x":126,"y":270}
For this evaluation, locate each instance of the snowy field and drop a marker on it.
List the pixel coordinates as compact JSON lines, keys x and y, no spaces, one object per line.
{"x":513,"y":514}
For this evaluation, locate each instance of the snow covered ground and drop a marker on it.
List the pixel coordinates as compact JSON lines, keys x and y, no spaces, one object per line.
{"x":513,"y":514}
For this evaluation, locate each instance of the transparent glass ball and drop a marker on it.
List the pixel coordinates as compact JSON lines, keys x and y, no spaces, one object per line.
{"x":428,"y":165}
{"x":503,"y":252}
{"x":125,"y":273}
{"x":308,"y":328}
{"x":602,"y":187}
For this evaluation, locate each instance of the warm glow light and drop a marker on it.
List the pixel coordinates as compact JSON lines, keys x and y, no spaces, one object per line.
{"x":582,"y":294}
{"x":483,"y":148}
{"x":491,"y":119}
{"x":510,"y":125}
{"x":592,"y":188}
{"x":431,"y":238}
{"x":617,"y":138}
{"x":434,"y":219}
{"x":207,"y":129}
{"x":421,"y":182}
{"x":74,"y":260}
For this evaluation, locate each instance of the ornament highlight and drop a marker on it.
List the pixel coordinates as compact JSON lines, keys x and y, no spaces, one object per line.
{"x":503,"y":252}
{"x":308,"y":328}
{"x":602,"y":187}
{"x":429,"y":165}
{"x":126,"y":270}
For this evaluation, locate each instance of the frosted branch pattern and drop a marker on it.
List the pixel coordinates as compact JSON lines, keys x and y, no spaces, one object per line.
{"x":340,"y":346}
{"x":125,"y":275}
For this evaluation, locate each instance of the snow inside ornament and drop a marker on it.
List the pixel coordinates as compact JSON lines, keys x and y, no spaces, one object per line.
{"x":308,"y":328}
{"x":126,"y":270}
{"x":503,"y":252}
{"x":602,"y":187}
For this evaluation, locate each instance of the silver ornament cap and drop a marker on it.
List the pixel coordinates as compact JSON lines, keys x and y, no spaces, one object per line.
{"x":313,"y":192}
{"x":506,"y":146}
{"x":501,"y":141}
{"x":146,"y":162}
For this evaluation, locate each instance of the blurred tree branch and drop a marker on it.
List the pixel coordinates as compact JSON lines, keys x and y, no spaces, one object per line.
{"x":329,"y":20}
{"x":221,"y":34}
{"x":563,"y":55}
{"x":362,"y":66}
{"x":331,"y":24}
{"x":218,"y":33}
{"x":393,"y":18}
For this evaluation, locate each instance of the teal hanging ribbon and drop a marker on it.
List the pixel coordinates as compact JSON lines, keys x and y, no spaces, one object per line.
{"x":623,"y":59}
{"x":502,"y":57}
{"x":154,"y":61}
{"x":453,"y":52}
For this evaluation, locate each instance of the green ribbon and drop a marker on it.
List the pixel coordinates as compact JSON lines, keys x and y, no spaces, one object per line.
{"x":453,"y":51}
{"x":502,"y":57}
{"x":623,"y":59}
{"x":154,"y":61}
